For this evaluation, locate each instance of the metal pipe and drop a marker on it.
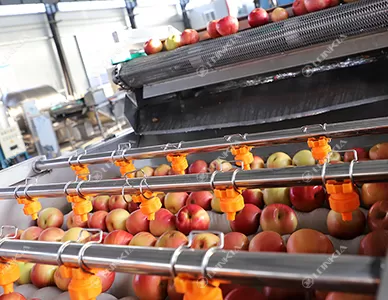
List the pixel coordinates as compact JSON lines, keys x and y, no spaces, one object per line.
{"x":295,"y":135}
{"x":347,"y":273}
{"x":363,"y":171}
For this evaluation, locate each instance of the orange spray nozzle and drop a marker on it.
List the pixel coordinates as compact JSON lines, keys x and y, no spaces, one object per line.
{"x":82,"y":206}
{"x":9,"y":273}
{"x":150,"y":203}
{"x":198,"y":289}
{"x":82,"y":171}
{"x":231,"y":201}
{"x":31,"y":206}
{"x":320,"y":148}
{"x":127,"y":167}
{"x":243,"y":154}
{"x":178,"y":163}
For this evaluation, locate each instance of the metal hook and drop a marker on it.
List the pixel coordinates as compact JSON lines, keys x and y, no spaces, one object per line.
{"x":3,"y":236}
{"x":233,"y":179}
{"x":81,"y":253}
{"x":134,"y":171}
{"x":174,"y":258}
{"x":172,"y":146}
{"x":123,"y":189}
{"x":77,"y":177}
{"x":66,"y":187}
{"x":242,"y":137}
{"x":212,"y":177}
{"x":35,"y":169}
{"x":15,"y":192}
{"x":141,"y":188}
{"x":306,"y":127}
{"x":209,"y":253}
{"x":77,"y":189}
{"x":69,"y":160}
{"x":60,"y":252}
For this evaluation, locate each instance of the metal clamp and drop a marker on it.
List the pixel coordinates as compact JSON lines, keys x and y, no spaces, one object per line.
{"x":176,"y":146}
{"x":243,"y":137}
{"x":15,"y":191}
{"x":211,"y":181}
{"x":66,"y":187}
{"x":35,"y":169}
{"x":233,"y":179}
{"x":28,"y":186}
{"x":121,"y":148}
{"x":123,"y":189}
{"x":306,"y":127}
{"x":209,"y":253}
{"x":141,"y":187}
{"x":4,"y":237}
{"x":77,"y":189}
{"x":60,"y":252}
{"x":81,"y":253}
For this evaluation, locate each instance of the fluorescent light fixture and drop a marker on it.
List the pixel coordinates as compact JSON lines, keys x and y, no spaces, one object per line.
{"x":90,"y":5}
{"x":21,"y":9}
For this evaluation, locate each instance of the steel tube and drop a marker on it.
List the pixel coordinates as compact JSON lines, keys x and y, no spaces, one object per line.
{"x":295,"y":135}
{"x":363,"y":172}
{"x":346,"y":273}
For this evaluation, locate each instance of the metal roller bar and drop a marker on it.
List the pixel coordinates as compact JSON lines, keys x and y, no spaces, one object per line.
{"x":362,"y":172}
{"x":348,"y":273}
{"x":295,"y":135}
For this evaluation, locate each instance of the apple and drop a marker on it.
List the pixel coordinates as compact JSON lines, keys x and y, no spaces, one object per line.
{"x":258,"y":17}
{"x":107,"y":278}
{"x":235,"y":241}
{"x":346,"y":230}
{"x":145,"y":239}
{"x":162,"y":170}
{"x":227,"y":25}
{"x":253,"y":196}
{"x":74,"y":220}
{"x":25,"y":272}
{"x":220,"y":165}
{"x":175,"y":201}
{"x":192,"y":217}
{"x":203,"y":241}
{"x":307,"y":198}
{"x":199,"y":166}
{"x":43,"y":275}
{"x":277,"y":195}
{"x":348,"y":296}
{"x":203,"y":199}
{"x":31,"y":233}
{"x":73,"y":234}
{"x":361,"y":155}
{"x":101,"y":203}
{"x":216,"y":204}
{"x":153,"y":46}
{"x":150,"y":287}
{"x":189,"y":36}
{"x":172,"y":42}
{"x":133,"y":206}
{"x":118,"y":201}
{"x":309,"y":241}
{"x":378,"y":216}
{"x":279,"y":160}
{"x":60,"y":281}
{"x":335,"y":156}
{"x":246,"y":293}
{"x":379,"y":151}
{"x":118,"y":237}
{"x":116,"y":219}
{"x":164,"y":221}
{"x":279,"y":218}
{"x":212,"y":29}
{"x":15,"y":236}
{"x":247,"y":220}
{"x":171,"y":239}
{"x":12,"y":296}
{"x":51,"y":234}
{"x":303,"y":158}
{"x":299,"y":8}
{"x":267,"y":241}
{"x":146,"y":171}
{"x":97,"y":220}
{"x":50,"y":217}
{"x":279,"y":14}
{"x":334,"y":3}
{"x":97,"y":237}
{"x":374,"y":192}
{"x":258,"y":163}
{"x":275,"y":293}
{"x":137,"y":222}
{"x":374,"y":243}
{"x":171,"y":291}
{"x":315,"y":5}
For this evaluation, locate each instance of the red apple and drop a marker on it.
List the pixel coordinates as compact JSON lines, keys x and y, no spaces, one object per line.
{"x":76,"y":234}
{"x":31,"y":233}
{"x":247,"y":220}
{"x":267,"y":241}
{"x":51,"y":234}
{"x":50,"y":217}
{"x":146,"y":171}
{"x":118,"y":201}
{"x":43,"y":275}
{"x":374,"y":192}
{"x":202,"y":199}
{"x":279,"y":14}
{"x":199,"y":166}
{"x":144,"y":239}
{"x":309,"y":241}
{"x":164,"y":221}
{"x":116,"y":219}
{"x":346,"y":230}
{"x":153,"y":46}
{"x":74,"y":220}
{"x":107,"y":279}
{"x":175,"y":201}
{"x":379,"y":151}
{"x":307,"y":198}
{"x":253,"y":196}
{"x":235,"y":241}
{"x":227,"y":25}
{"x":192,"y":217}
{"x":227,"y":288}
{"x":12,"y":296}
{"x":60,"y":281}
{"x":118,"y":237}
{"x":171,"y":291}
{"x":15,"y":236}
{"x":279,"y":218}
{"x":258,"y":17}
{"x":374,"y":243}
{"x":101,"y":203}
{"x":97,"y":220}
{"x":315,"y":5}
{"x":205,"y":241}
{"x":378,"y":216}
{"x":150,"y":287}
{"x":348,"y":296}
{"x":171,"y":239}
{"x":275,"y":293}
{"x":189,"y":36}
{"x":162,"y":170}
{"x":246,"y":293}
{"x":133,"y":206}
{"x":137,"y":222}
{"x":258,"y":163}
{"x":298,"y":8}
{"x":212,"y":29}
{"x":361,"y":155}
{"x":220,"y":165}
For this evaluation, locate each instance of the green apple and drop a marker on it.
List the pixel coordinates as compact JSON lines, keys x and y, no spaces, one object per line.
{"x":303,"y":158}
{"x":335,"y":156}
{"x":172,"y":42}
{"x":216,"y":205}
{"x":279,"y":160}
{"x":277,"y":195}
{"x":25,"y":272}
